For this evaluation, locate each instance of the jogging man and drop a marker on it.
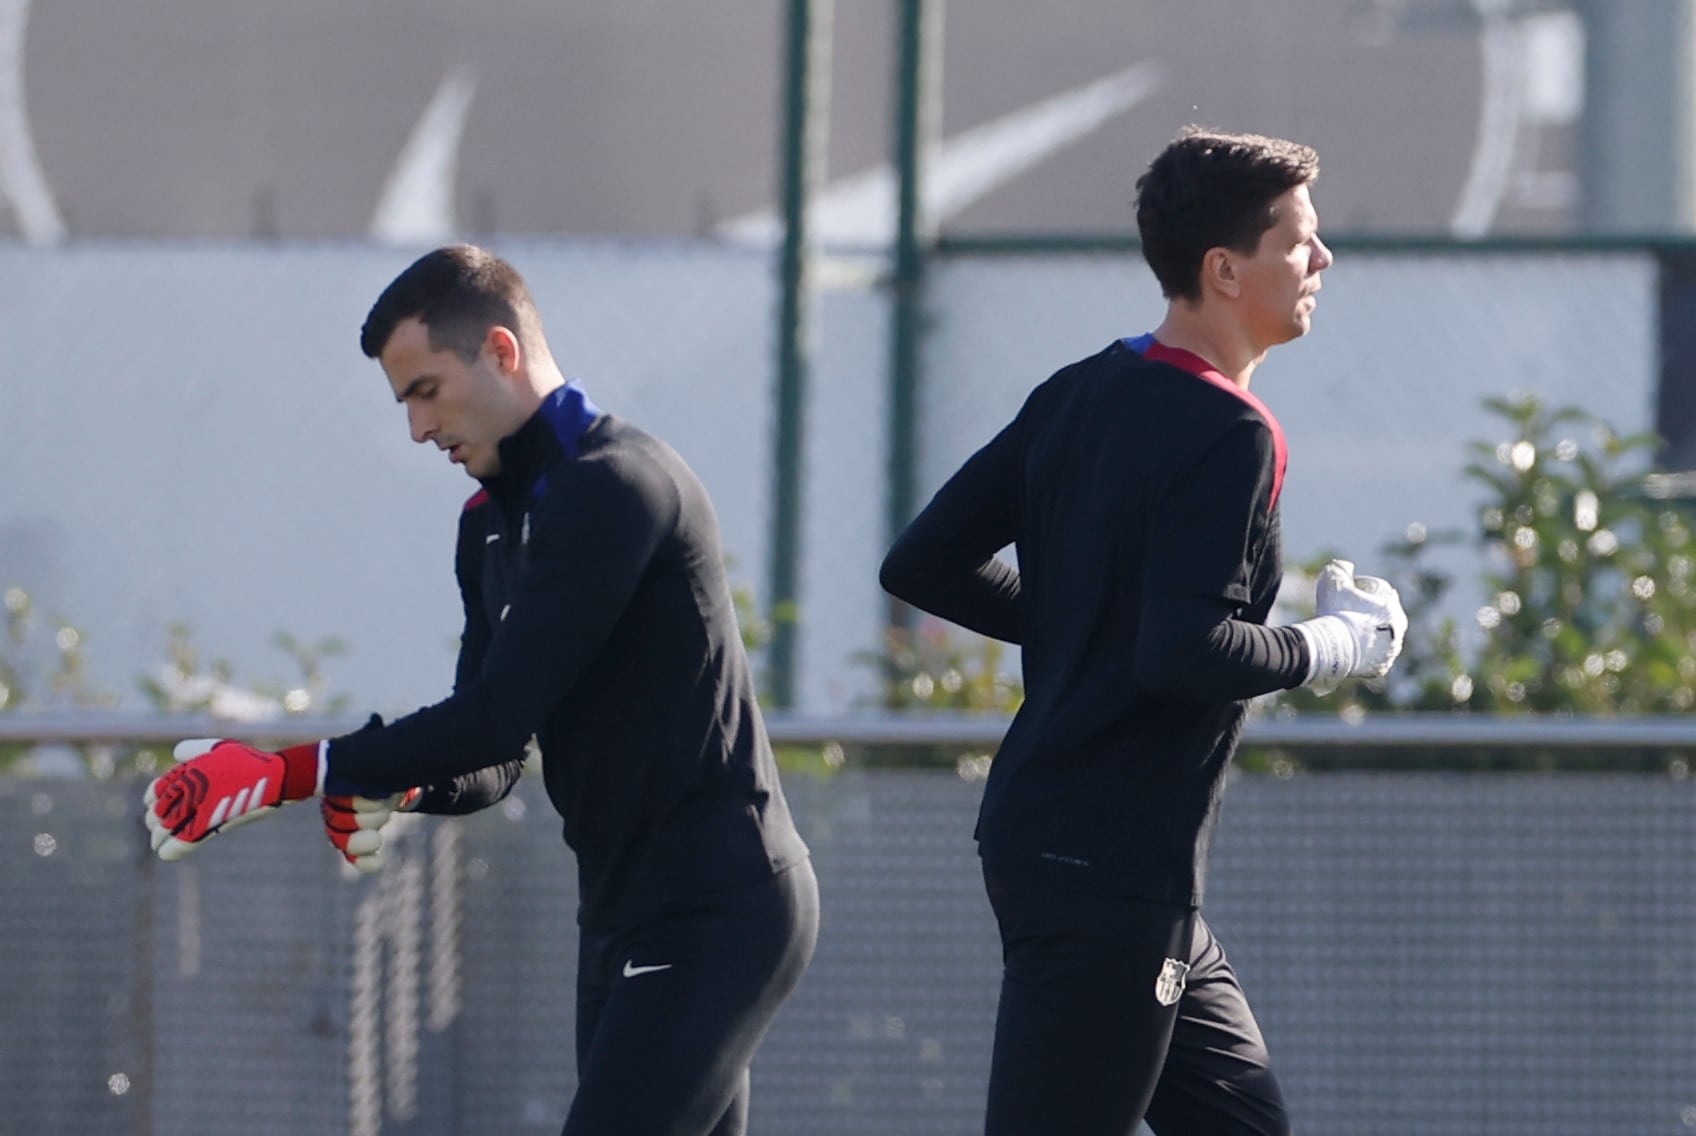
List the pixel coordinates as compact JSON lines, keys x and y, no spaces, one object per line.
{"x":1140,"y":489}
{"x":597,"y":619}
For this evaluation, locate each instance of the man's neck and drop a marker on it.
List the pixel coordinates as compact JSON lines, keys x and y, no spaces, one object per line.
{"x":538,"y":384}
{"x":545,"y":380}
{"x":1189,"y":329}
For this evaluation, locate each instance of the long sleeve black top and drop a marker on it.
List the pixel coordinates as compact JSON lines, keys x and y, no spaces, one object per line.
{"x":1139,"y":489}
{"x":598,"y":619}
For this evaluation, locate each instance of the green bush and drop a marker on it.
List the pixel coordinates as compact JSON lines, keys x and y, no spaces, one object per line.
{"x":1586,"y":605}
{"x":934,"y":667}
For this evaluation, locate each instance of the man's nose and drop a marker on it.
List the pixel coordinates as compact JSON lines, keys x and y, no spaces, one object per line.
{"x":1322,"y":258}
{"x":422,"y":424}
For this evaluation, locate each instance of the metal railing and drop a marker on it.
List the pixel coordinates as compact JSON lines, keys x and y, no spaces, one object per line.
{"x":1423,"y":731}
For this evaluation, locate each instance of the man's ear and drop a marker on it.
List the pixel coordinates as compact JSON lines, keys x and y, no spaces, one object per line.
{"x":502,"y":346}
{"x":1219,"y":273}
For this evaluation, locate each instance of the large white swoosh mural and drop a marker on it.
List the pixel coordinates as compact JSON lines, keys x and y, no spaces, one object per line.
{"x":1491,"y":170}
{"x":860,"y":210}
{"x":21,"y":181}
{"x":416,"y":206}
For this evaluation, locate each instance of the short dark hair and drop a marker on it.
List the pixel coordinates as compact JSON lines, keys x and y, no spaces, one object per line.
{"x":1208,"y":189}
{"x":458,"y":293}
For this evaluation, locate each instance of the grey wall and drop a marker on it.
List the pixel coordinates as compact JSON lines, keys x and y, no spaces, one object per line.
{"x":243,"y":119}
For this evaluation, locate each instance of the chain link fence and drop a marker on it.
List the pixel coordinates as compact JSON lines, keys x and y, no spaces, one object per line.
{"x":1379,"y":401}
{"x":215,"y":451}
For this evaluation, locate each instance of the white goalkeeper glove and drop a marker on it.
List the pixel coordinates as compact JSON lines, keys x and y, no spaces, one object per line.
{"x":1359,"y":629}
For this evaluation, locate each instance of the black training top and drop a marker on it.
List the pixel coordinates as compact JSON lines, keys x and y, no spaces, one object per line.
{"x":1140,"y":490}
{"x":598,"y":618}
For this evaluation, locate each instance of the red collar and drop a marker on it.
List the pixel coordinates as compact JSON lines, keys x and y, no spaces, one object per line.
{"x":1157,"y":351}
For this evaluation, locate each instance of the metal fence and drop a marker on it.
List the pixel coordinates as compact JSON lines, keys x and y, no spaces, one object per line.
{"x":1428,"y":952}
{"x":356,"y":522}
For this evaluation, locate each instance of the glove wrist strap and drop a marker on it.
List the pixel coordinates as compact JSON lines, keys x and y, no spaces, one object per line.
{"x":1332,"y":652}
{"x":303,"y":770}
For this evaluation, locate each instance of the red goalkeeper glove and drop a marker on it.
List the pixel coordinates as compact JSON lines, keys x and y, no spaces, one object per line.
{"x":354,"y":825}
{"x":221,"y":784}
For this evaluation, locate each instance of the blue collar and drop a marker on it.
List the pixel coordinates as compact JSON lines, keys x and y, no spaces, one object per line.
{"x":570,"y":412}
{"x":566,"y":414}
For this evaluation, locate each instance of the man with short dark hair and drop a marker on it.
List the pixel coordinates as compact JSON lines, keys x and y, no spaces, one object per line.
{"x":598,"y":620}
{"x":1140,"y":489}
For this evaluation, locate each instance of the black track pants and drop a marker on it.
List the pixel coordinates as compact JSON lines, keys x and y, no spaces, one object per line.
{"x":669,"y":1013}
{"x":1113,"y":1011}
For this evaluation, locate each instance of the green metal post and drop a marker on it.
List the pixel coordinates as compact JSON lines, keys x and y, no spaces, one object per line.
{"x":805,"y":82}
{"x":918,"y":84}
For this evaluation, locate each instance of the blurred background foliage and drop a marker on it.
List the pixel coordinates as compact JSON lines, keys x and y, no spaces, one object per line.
{"x":816,"y":761}
{"x":933,"y":666}
{"x":44,"y":669}
{"x":1585,"y":607}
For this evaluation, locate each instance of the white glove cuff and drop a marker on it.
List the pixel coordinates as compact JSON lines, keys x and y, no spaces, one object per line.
{"x":1332,"y":651}
{"x":323,"y":766}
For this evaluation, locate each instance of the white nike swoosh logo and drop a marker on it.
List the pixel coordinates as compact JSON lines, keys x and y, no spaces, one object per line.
{"x":860,"y":209}
{"x":417,"y":205}
{"x":631,"y":970}
{"x":23,"y":184}
{"x":491,"y":538}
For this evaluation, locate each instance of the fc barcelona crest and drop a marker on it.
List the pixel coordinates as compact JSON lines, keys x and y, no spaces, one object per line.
{"x":1170,"y":985}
